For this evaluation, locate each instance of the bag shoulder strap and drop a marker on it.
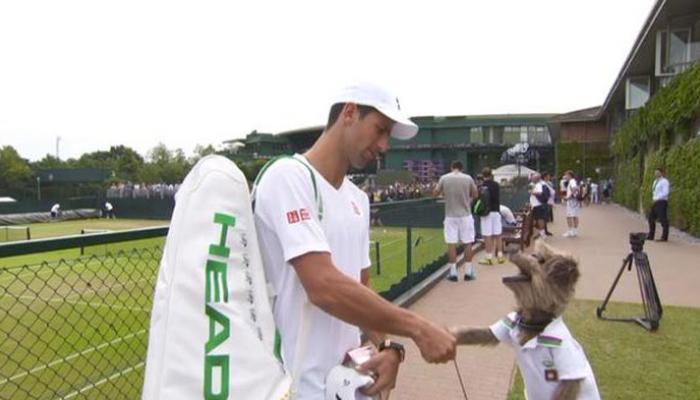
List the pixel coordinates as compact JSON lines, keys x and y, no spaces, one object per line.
{"x":317,"y":195}
{"x":305,"y":323}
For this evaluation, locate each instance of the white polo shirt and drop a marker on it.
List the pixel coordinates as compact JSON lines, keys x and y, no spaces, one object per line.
{"x":536,"y":190}
{"x":552,"y":356}
{"x":286,"y":217}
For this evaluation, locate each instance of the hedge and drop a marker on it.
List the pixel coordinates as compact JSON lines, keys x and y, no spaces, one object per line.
{"x":670,"y":110}
{"x":627,"y":182}
{"x":644,"y":143}
{"x":597,"y":155}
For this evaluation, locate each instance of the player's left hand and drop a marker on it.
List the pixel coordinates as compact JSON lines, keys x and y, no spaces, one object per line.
{"x":384,"y":366}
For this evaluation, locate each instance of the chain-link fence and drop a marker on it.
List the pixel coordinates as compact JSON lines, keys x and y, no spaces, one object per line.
{"x":76,"y":327}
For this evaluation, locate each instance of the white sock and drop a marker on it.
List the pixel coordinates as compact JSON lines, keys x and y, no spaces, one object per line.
{"x":500,"y":254}
{"x":470,"y":268}
{"x":453,"y":269}
{"x":541,"y":232}
{"x":489,"y":255}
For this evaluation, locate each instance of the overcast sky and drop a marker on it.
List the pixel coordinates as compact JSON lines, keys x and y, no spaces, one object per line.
{"x":100,"y":73}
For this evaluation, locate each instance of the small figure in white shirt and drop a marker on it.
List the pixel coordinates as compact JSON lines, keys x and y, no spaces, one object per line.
{"x":55,"y":211}
{"x":660,"y":190}
{"x":109,"y":210}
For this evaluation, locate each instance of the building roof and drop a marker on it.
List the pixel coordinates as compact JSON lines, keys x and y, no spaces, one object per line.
{"x":584,"y":115}
{"x":641,"y":59}
{"x":310,"y":129}
{"x":458,"y":121}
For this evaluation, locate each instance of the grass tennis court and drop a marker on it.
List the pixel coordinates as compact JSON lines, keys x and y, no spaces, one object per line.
{"x":77,"y":326}
{"x":426,"y":245}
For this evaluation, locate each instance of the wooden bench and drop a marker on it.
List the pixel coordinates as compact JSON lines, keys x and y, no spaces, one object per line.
{"x":521,"y":232}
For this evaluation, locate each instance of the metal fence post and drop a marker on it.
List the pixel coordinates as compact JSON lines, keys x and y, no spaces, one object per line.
{"x":409,"y":249}
{"x":379,"y":258}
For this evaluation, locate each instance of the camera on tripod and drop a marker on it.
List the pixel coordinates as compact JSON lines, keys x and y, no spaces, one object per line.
{"x":637,"y":241}
{"x":650,"y":296}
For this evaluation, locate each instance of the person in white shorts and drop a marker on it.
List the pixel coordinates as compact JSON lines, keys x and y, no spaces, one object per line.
{"x":313,"y":229}
{"x":458,"y":189}
{"x":573,"y":205}
{"x":491,"y":228}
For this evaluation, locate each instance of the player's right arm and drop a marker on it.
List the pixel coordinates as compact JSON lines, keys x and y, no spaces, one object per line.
{"x":349,"y":300}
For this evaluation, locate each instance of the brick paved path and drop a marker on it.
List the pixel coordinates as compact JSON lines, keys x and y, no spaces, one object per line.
{"x":602,"y":245}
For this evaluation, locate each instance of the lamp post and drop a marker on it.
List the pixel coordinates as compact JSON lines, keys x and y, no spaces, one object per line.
{"x":38,"y":188}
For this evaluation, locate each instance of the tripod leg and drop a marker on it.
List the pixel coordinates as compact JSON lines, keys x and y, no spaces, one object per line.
{"x":653,"y":287}
{"x":626,"y":263}
{"x":650,"y":296}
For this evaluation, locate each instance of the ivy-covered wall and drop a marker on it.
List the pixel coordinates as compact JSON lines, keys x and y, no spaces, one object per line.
{"x":646,"y":142}
{"x":583,"y":159}
{"x":627,"y":182}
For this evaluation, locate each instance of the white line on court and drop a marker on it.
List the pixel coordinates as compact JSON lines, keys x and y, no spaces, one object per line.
{"x":102,"y":381}
{"x":96,"y":303}
{"x":43,"y":269}
{"x":72,"y":356}
{"x":84,"y":303}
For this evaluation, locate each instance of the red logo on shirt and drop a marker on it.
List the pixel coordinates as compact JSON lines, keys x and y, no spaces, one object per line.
{"x":293,"y":217}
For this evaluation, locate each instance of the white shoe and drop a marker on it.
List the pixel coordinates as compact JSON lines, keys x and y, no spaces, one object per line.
{"x":568,"y":234}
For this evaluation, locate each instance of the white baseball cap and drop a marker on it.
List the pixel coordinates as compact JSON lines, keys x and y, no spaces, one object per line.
{"x":343,"y":383}
{"x":369,"y":94}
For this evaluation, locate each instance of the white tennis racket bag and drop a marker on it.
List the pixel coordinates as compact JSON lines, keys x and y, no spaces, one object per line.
{"x":212,"y":333}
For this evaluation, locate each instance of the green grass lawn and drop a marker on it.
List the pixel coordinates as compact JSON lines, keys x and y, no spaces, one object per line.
{"x":426,"y":245}
{"x":631,"y":363}
{"x":74,"y":227}
{"x":76,"y":326}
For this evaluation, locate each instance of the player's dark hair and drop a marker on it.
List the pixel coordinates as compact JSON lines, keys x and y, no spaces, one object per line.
{"x":337,"y":108}
{"x":457,"y":165}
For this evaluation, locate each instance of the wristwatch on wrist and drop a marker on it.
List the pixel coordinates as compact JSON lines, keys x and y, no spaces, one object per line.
{"x":388,"y":344}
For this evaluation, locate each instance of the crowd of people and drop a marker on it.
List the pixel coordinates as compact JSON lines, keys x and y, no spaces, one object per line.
{"x":398,"y":191}
{"x":129,"y":190}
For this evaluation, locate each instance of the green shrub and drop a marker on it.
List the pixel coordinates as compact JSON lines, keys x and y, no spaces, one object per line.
{"x":683,"y":170}
{"x":627,"y":182}
{"x":597,"y":155}
{"x":670,"y":110}
{"x":645,"y":142}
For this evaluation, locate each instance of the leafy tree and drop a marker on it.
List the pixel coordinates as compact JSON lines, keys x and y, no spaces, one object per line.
{"x":15,"y":173}
{"x":201,"y":151}
{"x":165,"y":165}
{"x":50,"y":161}
{"x":123,"y":161}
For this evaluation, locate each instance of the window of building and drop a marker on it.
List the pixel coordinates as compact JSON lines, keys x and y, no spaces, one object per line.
{"x":496,"y":135}
{"x":538,"y":135}
{"x":476,"y":135}
{"x":672,"y":51}
{"x":511,"y":135}
{"x":637,"y":92}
